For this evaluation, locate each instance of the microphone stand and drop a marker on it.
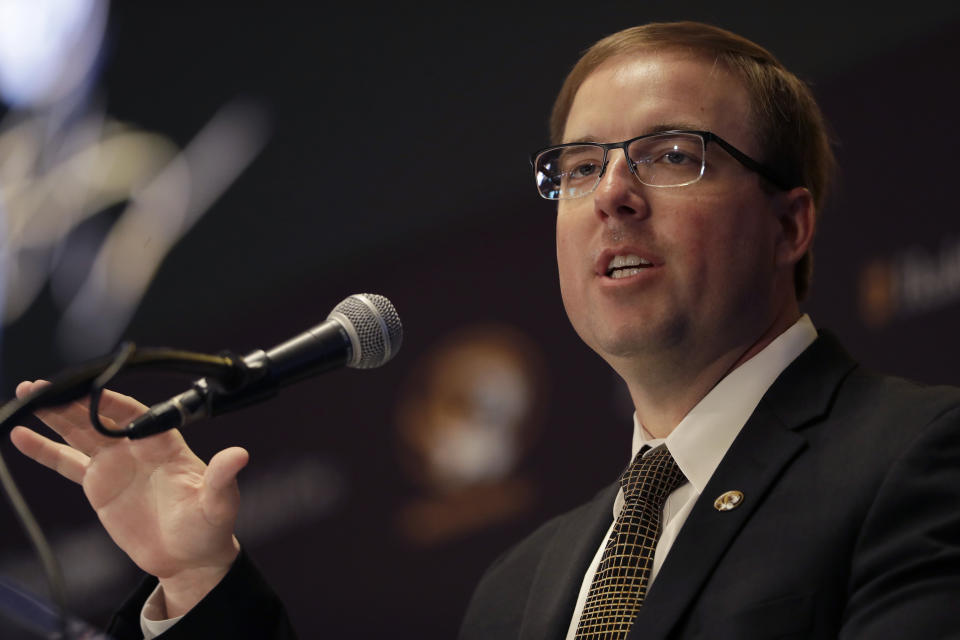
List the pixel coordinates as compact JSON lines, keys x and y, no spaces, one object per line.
{"x":41,"y":618}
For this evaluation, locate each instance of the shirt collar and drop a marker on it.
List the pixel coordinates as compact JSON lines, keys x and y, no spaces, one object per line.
{"x":701,"y":439}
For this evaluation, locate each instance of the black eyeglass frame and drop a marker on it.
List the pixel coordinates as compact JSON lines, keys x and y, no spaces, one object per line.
{"x":707,"y":136}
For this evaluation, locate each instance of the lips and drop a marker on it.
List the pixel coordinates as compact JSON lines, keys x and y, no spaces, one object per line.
{"x":623,"y":264}
{"x":628,"y":265}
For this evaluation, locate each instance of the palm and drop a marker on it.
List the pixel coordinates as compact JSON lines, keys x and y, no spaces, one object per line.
{"x":155,"y":507}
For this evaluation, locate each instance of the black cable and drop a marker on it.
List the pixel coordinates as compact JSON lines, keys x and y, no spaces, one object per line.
{"x":123,"y":355}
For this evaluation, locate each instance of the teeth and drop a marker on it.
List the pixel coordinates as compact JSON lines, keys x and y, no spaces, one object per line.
{"x":619,"y":262}
{"x":625,"y":273}
{"x":627,"y":261}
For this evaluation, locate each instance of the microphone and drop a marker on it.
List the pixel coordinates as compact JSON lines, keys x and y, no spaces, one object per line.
{"x":362,"y":332}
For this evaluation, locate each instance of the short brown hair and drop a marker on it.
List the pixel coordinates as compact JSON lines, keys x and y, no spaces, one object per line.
{"x":792,"y":131}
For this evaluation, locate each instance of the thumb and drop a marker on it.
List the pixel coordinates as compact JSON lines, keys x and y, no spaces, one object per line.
{"x":220,"y":498}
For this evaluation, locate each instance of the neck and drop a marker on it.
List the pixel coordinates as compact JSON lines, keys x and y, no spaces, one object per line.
{"x":665,"y":391}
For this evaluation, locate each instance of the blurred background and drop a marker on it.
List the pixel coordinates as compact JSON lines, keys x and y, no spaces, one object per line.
{"x":213,"y":175}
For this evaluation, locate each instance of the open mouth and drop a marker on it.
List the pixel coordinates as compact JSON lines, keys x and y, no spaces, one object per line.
{"x":626,"y":266}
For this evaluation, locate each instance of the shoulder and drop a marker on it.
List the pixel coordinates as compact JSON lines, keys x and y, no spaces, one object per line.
{"x":900,"y":394}
{"x":894,"y":414}
{"x":554,"y":557}
{"x":579,"y":519}
{"x":825,"y":386}
{"x":520,"y":562}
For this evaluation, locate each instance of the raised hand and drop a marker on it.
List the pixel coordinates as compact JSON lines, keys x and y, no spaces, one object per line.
{"x":171,"y":513}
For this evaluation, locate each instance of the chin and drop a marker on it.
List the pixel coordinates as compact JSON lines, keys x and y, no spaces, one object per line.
{"x":635,"y":341}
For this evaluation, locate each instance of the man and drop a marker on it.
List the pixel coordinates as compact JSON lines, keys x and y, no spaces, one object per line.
{"x":776,"y":489}
{"x":816,"y":500}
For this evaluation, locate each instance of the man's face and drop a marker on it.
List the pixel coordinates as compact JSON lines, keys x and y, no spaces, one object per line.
{"x":712,"y":285}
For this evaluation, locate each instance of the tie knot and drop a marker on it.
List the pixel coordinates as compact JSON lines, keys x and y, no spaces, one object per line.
{"x":652,"y":477}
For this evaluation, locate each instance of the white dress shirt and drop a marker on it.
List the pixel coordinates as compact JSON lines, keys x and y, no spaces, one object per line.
{"x":701,"y":439}
{"x":153,"y":620}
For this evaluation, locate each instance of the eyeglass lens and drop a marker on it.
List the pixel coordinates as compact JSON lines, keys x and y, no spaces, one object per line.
{"x":669,"y":160}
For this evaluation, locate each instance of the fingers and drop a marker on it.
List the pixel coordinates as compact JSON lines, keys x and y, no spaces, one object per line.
{"x":120,"y":408}
{"x":72,"y":421}
{"x":220,"y":499}
{"x":65,"y":460}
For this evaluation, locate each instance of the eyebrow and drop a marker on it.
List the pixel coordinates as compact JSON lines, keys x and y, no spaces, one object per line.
{"x":657,"y":128}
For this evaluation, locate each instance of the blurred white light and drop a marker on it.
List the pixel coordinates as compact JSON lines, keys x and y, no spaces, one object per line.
{"x":48,"y":48}
{"x":65,"y":161}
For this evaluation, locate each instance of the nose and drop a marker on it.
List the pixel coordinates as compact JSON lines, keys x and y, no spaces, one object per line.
{"x":619,"y":192}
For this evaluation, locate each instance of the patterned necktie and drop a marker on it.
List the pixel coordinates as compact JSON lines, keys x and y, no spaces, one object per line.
{"x":620,"y":584}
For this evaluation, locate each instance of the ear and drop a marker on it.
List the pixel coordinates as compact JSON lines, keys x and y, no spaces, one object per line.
{"x":797,"y":216}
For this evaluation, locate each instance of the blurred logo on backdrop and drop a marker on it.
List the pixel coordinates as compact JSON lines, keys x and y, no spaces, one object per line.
{"x":914,"y":281}
{"x":468,"y":412}
{"x":88,"y":204}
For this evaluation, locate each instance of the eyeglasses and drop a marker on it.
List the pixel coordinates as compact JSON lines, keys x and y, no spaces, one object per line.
{"x":666,"y":159}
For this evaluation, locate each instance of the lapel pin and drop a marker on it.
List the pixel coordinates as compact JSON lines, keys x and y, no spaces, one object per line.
{"x":728,"y":500}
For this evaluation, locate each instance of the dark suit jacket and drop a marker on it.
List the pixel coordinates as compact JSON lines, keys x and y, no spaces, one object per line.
{"x":850,"y":525}
{"x":242,"y":606}
{"x":850,"y":528}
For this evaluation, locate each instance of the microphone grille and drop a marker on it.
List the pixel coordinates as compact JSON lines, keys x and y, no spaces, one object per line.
{"x":374,"y":328}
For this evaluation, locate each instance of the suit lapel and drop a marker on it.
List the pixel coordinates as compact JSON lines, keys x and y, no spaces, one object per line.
{"x":752,"y":465}
{"x":768,"y":442}
{"x":556,"y":585}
